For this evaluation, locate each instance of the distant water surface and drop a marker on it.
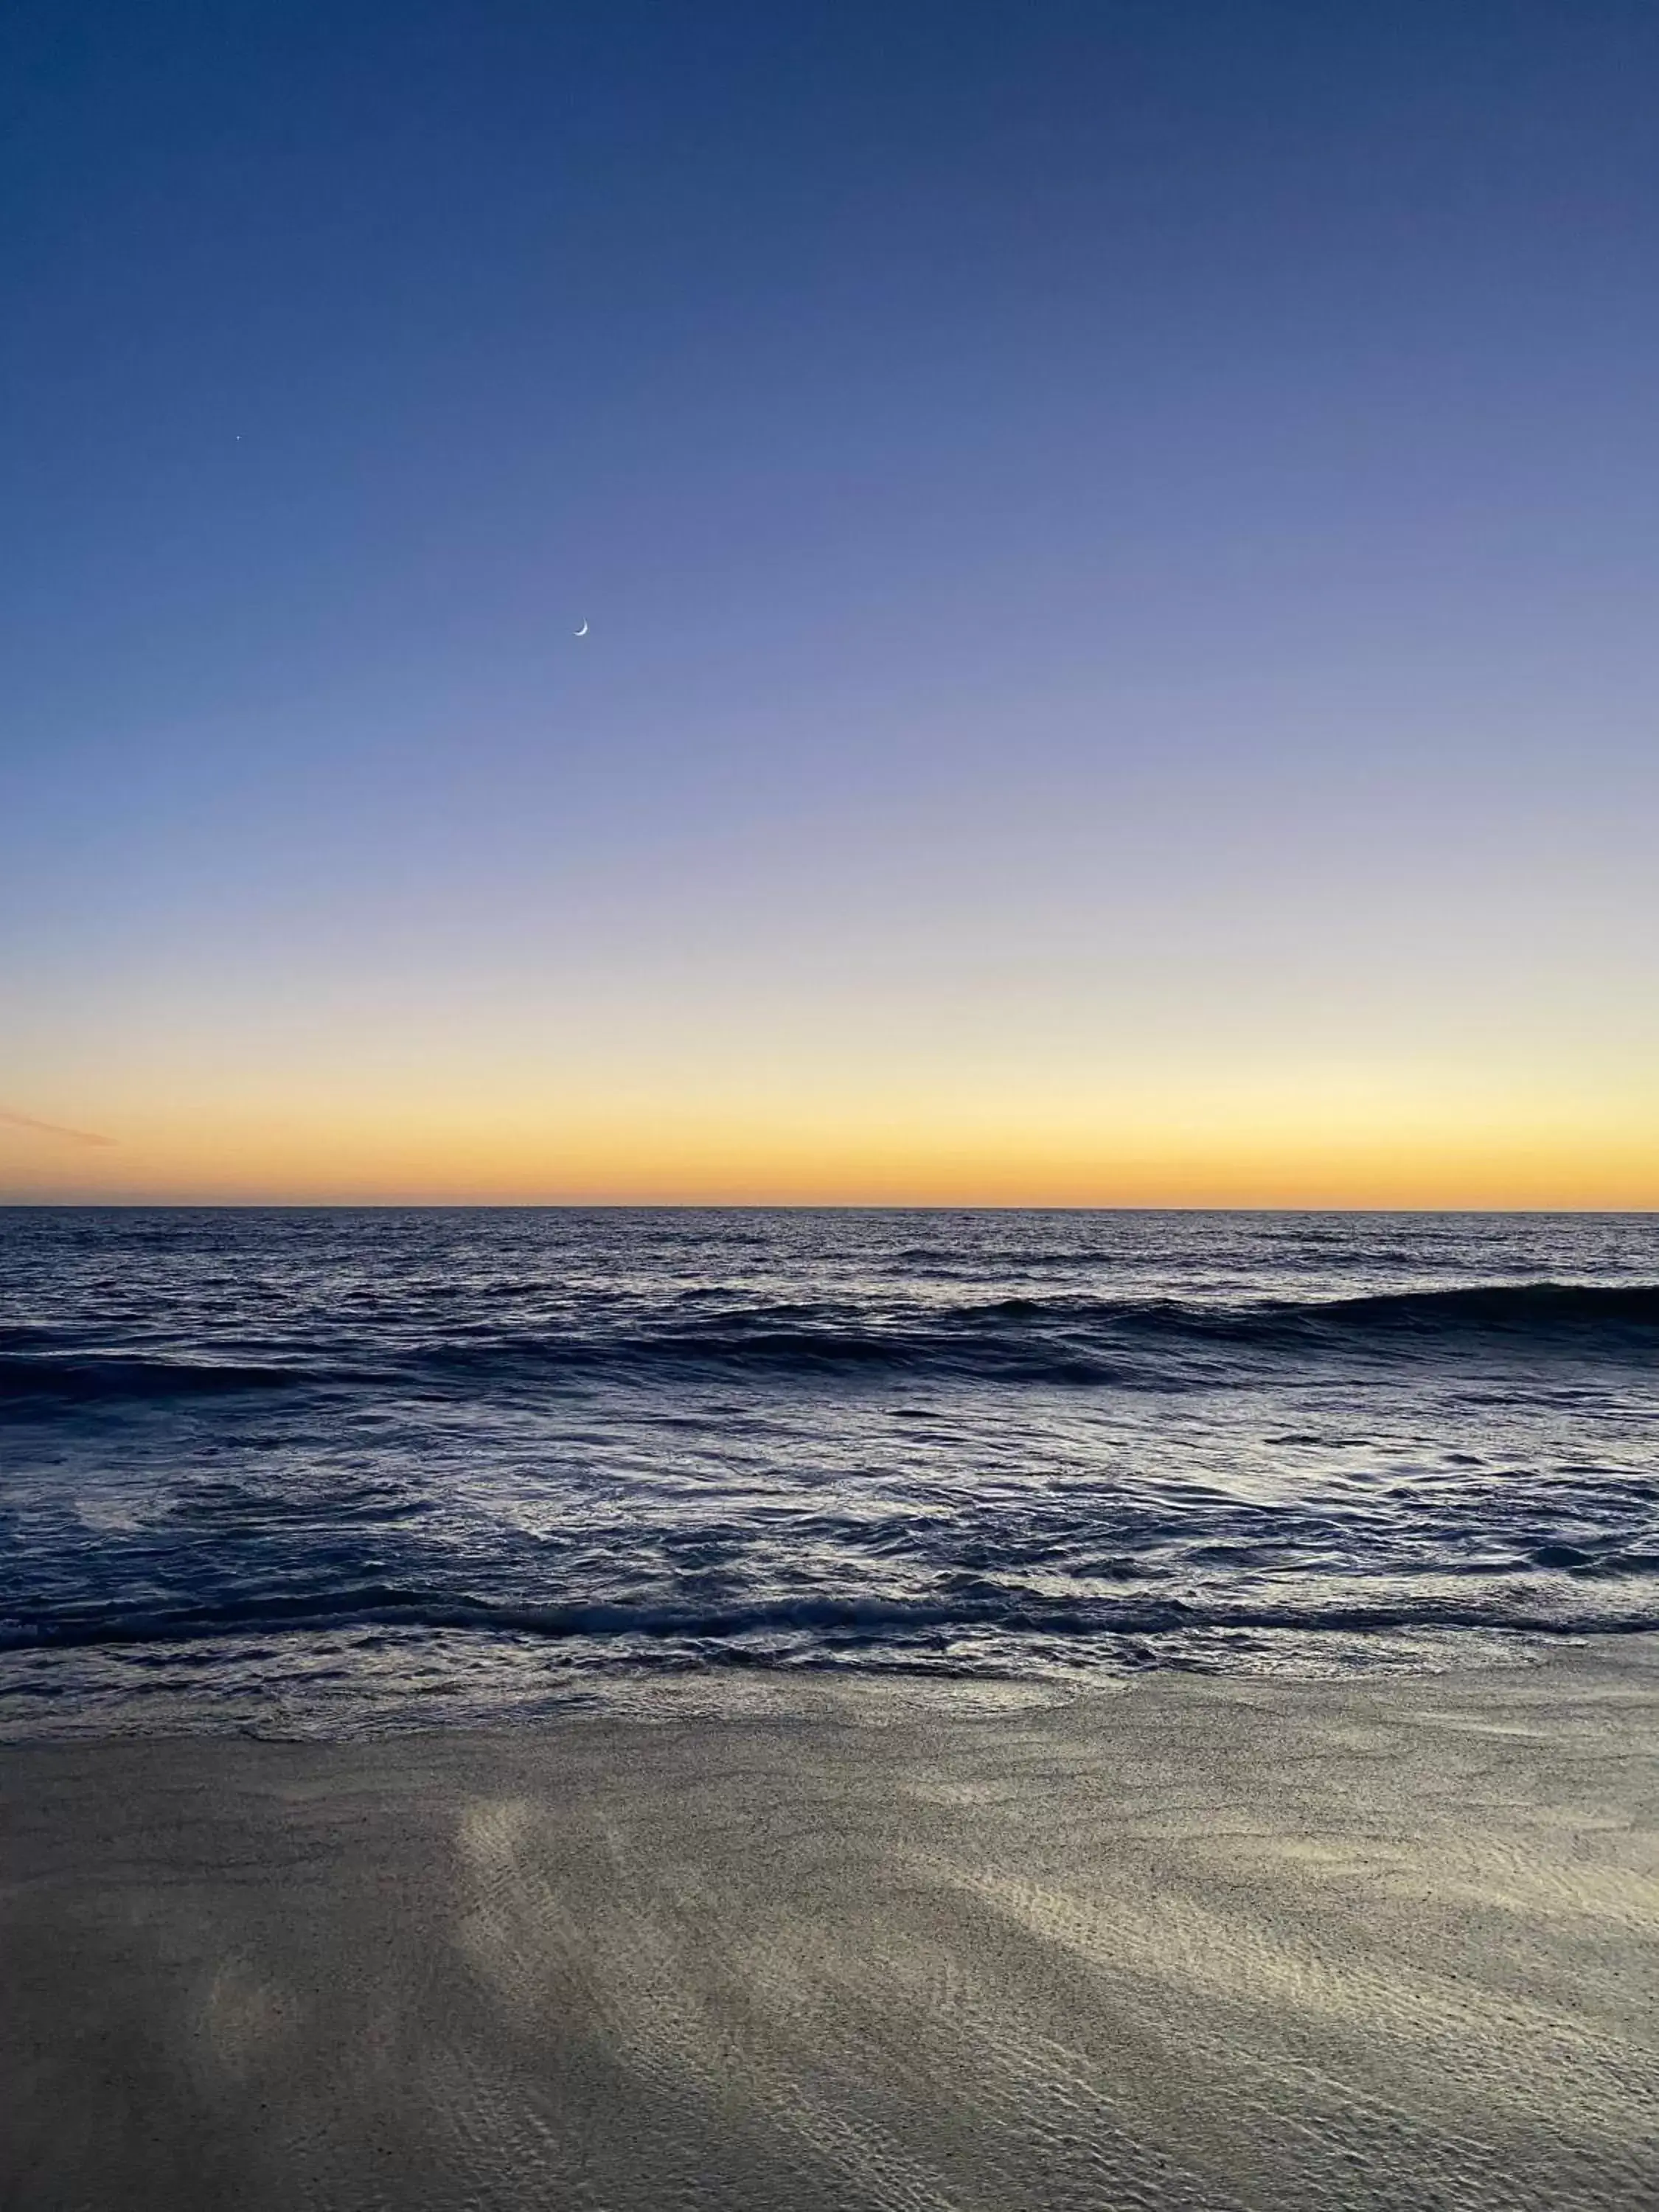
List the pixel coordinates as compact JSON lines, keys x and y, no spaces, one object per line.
{"x":332,"y":1472}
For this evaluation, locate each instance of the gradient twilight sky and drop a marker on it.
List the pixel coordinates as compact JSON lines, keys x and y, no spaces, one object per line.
{"x":1121,"y":548}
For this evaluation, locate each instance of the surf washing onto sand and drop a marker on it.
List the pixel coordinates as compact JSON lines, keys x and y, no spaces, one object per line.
{"x":333,"y":1472}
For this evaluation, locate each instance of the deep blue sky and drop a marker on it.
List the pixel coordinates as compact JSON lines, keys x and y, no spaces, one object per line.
{"x":1120,"y":547}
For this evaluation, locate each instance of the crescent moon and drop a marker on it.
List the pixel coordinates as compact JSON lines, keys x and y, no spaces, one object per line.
{"x":582,"y":632}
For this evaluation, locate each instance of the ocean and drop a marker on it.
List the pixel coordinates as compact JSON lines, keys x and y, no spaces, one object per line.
{"x":330,"y":1472}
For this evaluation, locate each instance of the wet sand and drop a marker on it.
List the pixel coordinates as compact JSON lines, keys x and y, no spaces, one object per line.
{"x":1197,"y":1944}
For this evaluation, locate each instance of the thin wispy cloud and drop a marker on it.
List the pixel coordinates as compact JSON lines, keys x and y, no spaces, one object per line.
{"x":53,"y":1129}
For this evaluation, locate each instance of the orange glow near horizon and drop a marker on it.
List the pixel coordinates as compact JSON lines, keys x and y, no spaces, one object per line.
{"x":879,"y":1109}
{"x":696,"y":1158}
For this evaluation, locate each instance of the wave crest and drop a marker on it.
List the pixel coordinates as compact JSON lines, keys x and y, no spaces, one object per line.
{"x":1068,"y":1340}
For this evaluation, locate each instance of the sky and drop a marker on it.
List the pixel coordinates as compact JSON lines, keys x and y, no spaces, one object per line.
{"x":1120,"y":547}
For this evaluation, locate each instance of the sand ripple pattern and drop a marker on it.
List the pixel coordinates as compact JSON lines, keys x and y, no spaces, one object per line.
{"x":1199,"y":1948}
{"x":1188,"y":1949}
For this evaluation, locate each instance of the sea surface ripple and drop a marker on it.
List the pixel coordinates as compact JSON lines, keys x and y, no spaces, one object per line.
{"x":332,"y":1472}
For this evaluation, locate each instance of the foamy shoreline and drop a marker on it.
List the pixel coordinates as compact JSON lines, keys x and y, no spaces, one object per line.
{"x":1199,"y":1943}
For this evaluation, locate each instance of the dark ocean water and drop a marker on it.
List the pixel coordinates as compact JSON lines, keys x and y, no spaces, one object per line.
{"x":324,"y":1472}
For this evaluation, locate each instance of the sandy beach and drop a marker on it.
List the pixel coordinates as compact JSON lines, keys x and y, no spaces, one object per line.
{"x":1199,"y":1943}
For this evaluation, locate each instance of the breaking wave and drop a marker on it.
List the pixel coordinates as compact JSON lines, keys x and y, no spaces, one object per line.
{"x":1011,"y":1444}
{"x":1061,"y":1339}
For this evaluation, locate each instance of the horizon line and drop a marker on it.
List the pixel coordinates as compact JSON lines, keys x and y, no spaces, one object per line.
{"x":758,"y":1206}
